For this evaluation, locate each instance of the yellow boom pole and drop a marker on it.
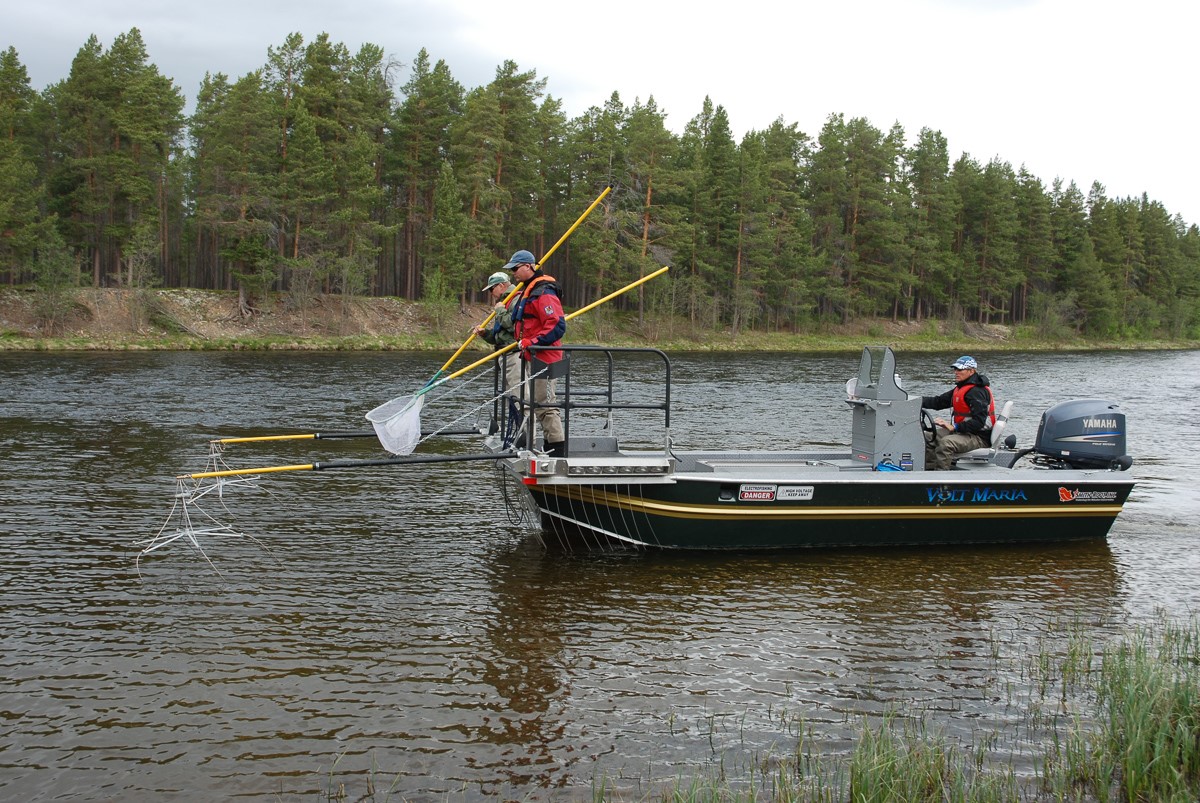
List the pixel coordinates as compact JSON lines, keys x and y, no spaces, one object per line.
{"x":508,"y":298}
{"x":419,"y":459}
{"x":574,"y":314}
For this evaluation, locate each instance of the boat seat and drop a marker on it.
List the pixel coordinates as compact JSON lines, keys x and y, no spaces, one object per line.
{"x":986,"y":454}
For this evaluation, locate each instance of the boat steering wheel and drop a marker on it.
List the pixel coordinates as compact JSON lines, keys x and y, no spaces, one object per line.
{"x":928,"y":427}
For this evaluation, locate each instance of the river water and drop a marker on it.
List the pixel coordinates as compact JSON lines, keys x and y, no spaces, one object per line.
{"x":396,"y":628}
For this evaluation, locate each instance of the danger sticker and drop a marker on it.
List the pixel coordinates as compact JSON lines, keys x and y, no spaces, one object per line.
{"x":756,"y":493}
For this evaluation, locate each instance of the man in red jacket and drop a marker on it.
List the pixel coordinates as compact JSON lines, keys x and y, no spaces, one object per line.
{"x":539,"y":324}
{"x":974,"y":415}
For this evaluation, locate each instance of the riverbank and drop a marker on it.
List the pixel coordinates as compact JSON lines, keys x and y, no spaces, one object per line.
{"x":111,"y":319}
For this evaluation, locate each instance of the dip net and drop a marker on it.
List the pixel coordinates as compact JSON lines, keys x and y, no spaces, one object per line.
{"x":397,"y":423}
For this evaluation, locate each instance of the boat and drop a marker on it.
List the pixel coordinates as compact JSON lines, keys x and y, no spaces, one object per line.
{"x":874,"y":491}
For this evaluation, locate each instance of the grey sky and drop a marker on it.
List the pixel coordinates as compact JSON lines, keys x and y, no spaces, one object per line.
{"x":1085,"y":90}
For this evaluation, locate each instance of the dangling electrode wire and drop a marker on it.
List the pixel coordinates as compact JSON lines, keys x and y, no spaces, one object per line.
{"x":188,"y":520}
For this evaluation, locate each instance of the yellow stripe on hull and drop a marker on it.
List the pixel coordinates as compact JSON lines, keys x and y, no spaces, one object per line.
{"x":749,"y":511}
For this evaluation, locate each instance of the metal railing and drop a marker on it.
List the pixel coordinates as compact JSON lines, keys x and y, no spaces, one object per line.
{"x":513,"y":415}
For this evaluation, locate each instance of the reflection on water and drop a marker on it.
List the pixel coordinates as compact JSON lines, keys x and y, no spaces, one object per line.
{"x":395,"y":618}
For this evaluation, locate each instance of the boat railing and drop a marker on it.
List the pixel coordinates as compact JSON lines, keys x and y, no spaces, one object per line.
{"x":591,"y":379}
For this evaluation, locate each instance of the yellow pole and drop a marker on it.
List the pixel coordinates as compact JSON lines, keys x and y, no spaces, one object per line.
{"x":627,"y":288}
{"x":507,"y":298}
{"x":258,"y":438}
{"x":237,"y":472}
{"x":574,"y":314}
{"x":310,"y":466}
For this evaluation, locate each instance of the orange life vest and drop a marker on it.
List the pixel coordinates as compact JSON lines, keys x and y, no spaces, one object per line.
{"x":958,"y":404}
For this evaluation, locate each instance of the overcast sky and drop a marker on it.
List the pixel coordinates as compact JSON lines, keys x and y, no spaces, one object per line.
{"x":1085,"y":90}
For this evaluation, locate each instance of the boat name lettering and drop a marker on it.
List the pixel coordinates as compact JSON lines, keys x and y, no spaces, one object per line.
{"x":756,"y":493}
{"x":1068,"y":495}
{"x":942,"y":494}
{"x":796,"y":493}
{"x":1099,"y":423}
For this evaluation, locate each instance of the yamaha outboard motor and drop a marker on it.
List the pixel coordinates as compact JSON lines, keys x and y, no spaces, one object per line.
{"x":1084,"y":433}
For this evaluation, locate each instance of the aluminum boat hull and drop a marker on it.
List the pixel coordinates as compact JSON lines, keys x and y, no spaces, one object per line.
{"x":756,"y":501}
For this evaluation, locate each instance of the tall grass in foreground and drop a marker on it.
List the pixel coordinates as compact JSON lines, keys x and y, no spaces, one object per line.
{"x":1135,"y":736}
{"x":1145,"y":744}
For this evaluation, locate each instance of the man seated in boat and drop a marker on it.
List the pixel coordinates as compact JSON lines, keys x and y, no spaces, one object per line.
{"x":973,"y":414}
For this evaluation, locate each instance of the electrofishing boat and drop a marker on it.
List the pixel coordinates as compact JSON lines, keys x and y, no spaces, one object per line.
{"x":1070,"y":484}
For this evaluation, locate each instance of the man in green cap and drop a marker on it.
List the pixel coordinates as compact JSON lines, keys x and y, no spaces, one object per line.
{"x":500,"y":334}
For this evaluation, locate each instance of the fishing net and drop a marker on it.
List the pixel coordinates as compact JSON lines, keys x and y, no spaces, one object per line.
{"x":397,"y":423}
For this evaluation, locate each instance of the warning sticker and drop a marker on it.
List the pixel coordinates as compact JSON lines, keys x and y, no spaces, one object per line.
{"x":795,"y":493}
{"x":756,"y":493}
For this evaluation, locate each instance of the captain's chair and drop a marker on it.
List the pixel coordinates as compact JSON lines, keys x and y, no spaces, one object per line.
{"x":986,"y":454}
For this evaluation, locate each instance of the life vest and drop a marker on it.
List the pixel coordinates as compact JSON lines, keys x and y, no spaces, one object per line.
{"x":518,"y":311}
{"x":958,"y":403}
{"x":531,"y":321}
{"x":528,"y":290}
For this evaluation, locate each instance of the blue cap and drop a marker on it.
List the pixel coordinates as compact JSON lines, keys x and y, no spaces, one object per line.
{"x":964,"y":362}
{"x":520,"y":258}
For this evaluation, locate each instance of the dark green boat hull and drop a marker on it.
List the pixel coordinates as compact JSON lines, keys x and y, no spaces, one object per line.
{"x":711,"y":513}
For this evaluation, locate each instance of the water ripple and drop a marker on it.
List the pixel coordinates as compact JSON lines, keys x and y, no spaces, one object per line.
{"x":394,"y":624}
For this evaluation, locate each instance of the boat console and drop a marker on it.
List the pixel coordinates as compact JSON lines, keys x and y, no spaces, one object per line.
{"x":886,"y":427}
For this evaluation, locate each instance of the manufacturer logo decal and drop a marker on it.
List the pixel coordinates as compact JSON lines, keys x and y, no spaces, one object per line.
{"x":944,"y":495}
{"x":756,"y":493}
{"x":1067,"y":495}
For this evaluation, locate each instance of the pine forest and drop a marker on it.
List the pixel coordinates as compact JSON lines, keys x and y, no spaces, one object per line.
{"x":331,"y":172}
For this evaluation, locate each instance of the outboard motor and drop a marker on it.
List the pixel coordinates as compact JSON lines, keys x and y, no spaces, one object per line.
{"x":1084,"y":433}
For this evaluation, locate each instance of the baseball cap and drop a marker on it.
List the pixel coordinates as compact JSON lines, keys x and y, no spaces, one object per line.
{"x":521,"y":258}
{"x":499,"y":277}
{"x":964,"y":362}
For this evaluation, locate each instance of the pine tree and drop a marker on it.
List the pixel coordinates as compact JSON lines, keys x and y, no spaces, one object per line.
{"x":120,"y":124}
{"x":1035,"y":244}
{"x":997,"y":242}
{"x":77,"y":182}
{"x":643,"y":217}
{"x":515,"y":143}
{"x":419,"y":144}
{"x":786,"y":266}
{"x":598,"y":149}
{"x":828,"y":188}
{"x":721,"y":194}
{"x":16,"y":98}
{"x":444,"y":260}
{"x":879,"y":207}
{"x":854,"y":189}
{"x":20,"y":186}
{"x":930,"y":226}
{"x":235,"y":180}
{"x":474,"y":156}
{"x":1169,"y":280}
{"x":1078,"y":269}
{"x":19,"y":214}
{"x":689,"y":240}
